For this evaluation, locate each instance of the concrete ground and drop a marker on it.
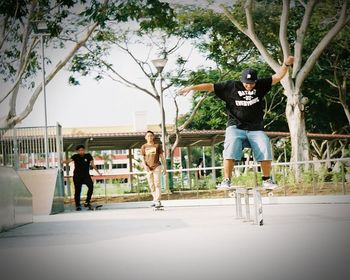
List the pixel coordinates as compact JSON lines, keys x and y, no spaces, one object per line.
{"x":298,"y":241}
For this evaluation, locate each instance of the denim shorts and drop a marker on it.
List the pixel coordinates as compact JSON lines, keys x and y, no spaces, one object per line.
{"x":236,"y":139}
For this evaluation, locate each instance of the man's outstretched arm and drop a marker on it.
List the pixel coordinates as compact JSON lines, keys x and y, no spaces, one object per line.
{"x":200,"y":87}
{"x":66,"y":161}
{"x":283,"y":70}
{"x":92,"y":164}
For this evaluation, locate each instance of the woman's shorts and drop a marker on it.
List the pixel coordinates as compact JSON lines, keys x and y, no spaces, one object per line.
{"x":236,"y":139}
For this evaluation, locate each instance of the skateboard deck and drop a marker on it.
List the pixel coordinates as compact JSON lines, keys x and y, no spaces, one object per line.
{"x":269,"y":192}
{"x":95,"y":207}
{"x":158,"y":208}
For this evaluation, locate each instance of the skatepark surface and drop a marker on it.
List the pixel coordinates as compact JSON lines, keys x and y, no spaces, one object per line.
{"x":299,"y":240}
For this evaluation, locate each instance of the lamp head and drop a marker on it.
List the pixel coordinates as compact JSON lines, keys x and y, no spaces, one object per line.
{"x":40,"y":27}
{"x":159,"y":64}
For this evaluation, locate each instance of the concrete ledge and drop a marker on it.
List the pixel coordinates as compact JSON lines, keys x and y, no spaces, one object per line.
{"x":45,"y":188}
{"x":15,"y":200}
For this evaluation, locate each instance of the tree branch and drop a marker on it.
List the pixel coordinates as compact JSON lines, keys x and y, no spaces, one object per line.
{"x":21,"y":71}
{"x":331,"y":83}
{"x":233,"y":20}
{"x":193,"y":113}
{"x":301,"y":32}
{"x":302,"y":3}
{"x":127,"y":82}
{"x":283,"y":29}
{"x":13,"y":120}
{"x":344,"y":18}
{"x":22,"y":57}
{"x":250,"y":33}
{"x":140,"y":65}
{"x":4,"y":24}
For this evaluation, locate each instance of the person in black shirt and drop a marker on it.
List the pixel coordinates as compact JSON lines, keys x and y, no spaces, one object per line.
{"x":81,"y":175}
{"x":245,"y":110}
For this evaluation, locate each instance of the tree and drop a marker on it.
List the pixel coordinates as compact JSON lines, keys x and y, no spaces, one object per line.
{"x":304,"y":63}
{"x":19,"y":48}
{"x":71,"y":23}
{"x":93,"y":61}
{"x":337,"y":60}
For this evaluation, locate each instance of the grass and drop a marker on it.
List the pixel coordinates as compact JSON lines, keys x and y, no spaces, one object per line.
{"x":321,"y":182}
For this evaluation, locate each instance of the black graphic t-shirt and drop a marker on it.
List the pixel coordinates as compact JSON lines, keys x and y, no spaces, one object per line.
{"x":245,"y":109}
{"x":82,"y":164}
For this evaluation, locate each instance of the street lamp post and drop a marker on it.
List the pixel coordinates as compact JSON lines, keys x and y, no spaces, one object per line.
{"x":40,"y":29}
{"x":160,"y":64}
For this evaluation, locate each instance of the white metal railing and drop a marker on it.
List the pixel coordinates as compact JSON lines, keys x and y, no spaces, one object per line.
{"x":279,"y":168}
{"x":24,"y":148}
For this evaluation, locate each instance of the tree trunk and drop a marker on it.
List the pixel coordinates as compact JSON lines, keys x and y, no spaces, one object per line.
{"x":296,"y":122}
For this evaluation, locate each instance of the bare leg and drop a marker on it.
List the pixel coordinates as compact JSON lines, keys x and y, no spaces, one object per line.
{"x":266,"y":168}
{"x":228,"y":168}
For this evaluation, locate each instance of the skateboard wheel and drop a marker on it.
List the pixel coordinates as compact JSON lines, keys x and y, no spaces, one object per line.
{"x":232,"y":194}
{"x":270,"y":194}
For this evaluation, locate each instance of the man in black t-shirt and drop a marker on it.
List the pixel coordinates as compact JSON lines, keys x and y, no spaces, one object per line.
{"x":81,"y":175}
{"x":245,"y":128}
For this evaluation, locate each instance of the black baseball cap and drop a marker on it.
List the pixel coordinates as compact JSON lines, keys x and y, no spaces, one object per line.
{"x":249,"y":76}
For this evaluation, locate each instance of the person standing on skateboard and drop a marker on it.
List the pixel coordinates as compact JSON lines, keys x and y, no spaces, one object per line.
{"x":151,"y":153}
{"x":245,"y":109}
{"x":81,"y":175}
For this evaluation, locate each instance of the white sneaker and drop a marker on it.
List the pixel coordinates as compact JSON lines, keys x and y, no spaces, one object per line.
{"x":269,"y":184}
{"x":158,"y":204}
{"x":225,"y":185}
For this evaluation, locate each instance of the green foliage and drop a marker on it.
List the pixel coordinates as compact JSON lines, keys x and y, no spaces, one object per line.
{"x":325,"y":114}
{"x":16,"y":15}
{"x":146,"y":15}
{"x":215,"y":36}
{"x":231,"y":50}
{"x":150,"y":13}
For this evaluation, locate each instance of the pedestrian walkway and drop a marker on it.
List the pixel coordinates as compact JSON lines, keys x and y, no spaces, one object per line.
{"x":298,"y":241}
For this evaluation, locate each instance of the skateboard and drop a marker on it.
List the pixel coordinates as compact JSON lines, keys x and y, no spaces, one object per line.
{"x":268,"y":191}
{"x":95,"y":207}
{"x":158,"y":208}
{"x":232,"y":191}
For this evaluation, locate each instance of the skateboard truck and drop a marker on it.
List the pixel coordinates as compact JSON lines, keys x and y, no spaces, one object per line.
{"x":246,"y":193}
{"x":95,"y":207}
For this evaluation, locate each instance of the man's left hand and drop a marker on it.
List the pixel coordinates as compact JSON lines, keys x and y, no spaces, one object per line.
{"x":290,"y":60}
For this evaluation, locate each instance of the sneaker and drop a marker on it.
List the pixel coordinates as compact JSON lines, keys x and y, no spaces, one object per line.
{"x":87,"y":204}
{"x":153,"y":204}
{"x":269,"y":184}
{"x":78,"y":208}
{"x":158,"y":204}
{"x":225,"y":184}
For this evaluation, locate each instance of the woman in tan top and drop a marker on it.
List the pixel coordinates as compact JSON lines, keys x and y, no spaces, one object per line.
{"x":152,"y":153}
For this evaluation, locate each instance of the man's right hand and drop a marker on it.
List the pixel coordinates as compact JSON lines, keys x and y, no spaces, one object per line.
{"x":200,"y":87}
{"x":184,"y":91}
